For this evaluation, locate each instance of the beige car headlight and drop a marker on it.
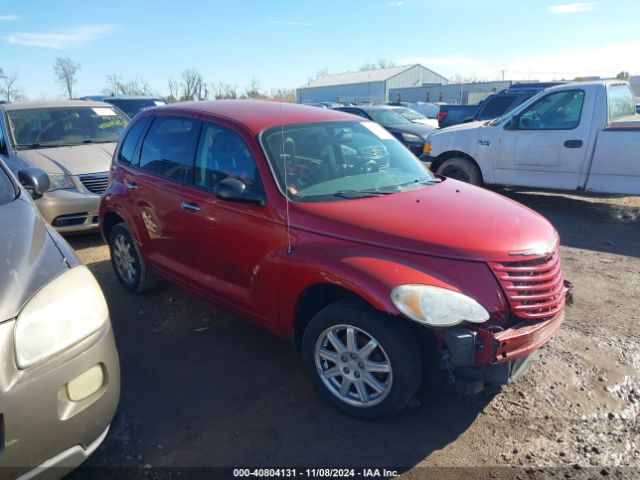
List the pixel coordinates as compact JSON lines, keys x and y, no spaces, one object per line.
{"x":60,"y":181}
{"x":437,"y":307}
{"x":62,"y":313}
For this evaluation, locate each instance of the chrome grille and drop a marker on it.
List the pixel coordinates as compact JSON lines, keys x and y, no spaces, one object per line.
{"x":535,"y":288}
{"x":95,"y":182}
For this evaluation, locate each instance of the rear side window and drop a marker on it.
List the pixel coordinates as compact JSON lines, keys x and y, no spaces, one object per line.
{"x":131,"y":141}
{"x":169,"y":146}
{"x":620,"y":101}
{"x":222,"y":153}
{"x":496,"y":107}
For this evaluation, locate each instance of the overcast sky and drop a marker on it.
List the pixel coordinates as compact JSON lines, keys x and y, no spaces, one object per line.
{"x":281,"y":42}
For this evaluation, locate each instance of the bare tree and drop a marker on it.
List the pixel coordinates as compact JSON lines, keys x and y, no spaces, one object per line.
{"x":323,"y":72}
{"x":9,"y":88}
{"x":382,"y":63}
{"x":174,"y":89}
{"x":115,"y":85}
{"x":459,"y":78}
{"x":284,"y":94}
{"x":65,"y":70}
{"x":224,"y":91}
{"x":253,"y":90}
{"x":193,"y":87}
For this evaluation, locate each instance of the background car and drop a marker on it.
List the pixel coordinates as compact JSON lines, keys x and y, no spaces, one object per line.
{"x":416,"y":117}
{"x":59,"y":374}
{"x":73,"y":142}
{"x":412,"y":135}
{"x":129,"y":104}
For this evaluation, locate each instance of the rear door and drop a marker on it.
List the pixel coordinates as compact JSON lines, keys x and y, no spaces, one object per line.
{"x":549,"y":145}
{"x":165,"y":161}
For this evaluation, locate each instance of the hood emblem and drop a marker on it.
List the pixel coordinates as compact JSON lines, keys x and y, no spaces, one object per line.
{"x":538,"y":250}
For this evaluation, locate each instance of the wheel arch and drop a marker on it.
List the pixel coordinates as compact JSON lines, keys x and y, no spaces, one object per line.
{"x":443,"y":157}
{"x":109,"y":220}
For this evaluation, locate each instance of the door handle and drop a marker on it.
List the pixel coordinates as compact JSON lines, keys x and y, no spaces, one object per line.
{"x":190,"y":206}
{"x":573,"y":143}
{"x":130,"y":185}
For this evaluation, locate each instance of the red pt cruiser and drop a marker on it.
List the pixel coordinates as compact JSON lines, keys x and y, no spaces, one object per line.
{"x":326,"y":230}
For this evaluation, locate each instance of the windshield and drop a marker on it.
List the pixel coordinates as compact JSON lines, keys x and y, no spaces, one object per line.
{"x":340,"y":160}
{"x":410,"y":114}
{"x":56,"y":127}
{"x":387,"y":117}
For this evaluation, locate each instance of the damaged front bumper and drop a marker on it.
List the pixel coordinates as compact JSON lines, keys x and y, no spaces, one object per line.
{"x":477,"y":355}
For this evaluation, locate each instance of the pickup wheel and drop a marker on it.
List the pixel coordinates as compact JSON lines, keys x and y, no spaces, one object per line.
{"x":127,"y":261}
{"x":462,"y":169}
{"x":362,"y":361}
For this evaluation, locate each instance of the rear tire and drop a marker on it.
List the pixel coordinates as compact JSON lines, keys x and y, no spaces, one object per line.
{"x":127,"y":261}
{"x":362,"y":361}
{"x":462,"y":169}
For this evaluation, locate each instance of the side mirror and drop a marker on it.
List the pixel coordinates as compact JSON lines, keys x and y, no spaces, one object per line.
{"x":234,"y":190}
{"x":36,"y":181}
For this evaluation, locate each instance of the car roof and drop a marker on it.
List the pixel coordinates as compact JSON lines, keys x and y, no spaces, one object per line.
{"x":53,"y":104}
{"x":375,"y":107}
{"x":133,"y":97}
{"x":255,"y":115}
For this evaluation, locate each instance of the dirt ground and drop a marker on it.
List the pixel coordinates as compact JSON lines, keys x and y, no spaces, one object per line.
{"x":201,"y":387}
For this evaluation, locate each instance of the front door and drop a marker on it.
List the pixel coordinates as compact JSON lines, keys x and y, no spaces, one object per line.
{"x":230,"y":246}
{"x":547,"y":147}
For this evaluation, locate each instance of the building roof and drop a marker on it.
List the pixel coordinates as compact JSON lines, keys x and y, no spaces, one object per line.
{"x":364,"y":76}
{"x":255,"y":115}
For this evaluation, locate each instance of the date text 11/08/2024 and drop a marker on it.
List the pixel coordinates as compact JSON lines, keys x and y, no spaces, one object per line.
{"x":315,"y":472}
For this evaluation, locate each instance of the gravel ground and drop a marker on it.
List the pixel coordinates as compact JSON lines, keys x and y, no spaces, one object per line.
{"x":202,"y":388}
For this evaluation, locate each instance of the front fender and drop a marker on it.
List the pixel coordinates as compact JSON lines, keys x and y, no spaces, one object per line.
{"x":372,"y":273}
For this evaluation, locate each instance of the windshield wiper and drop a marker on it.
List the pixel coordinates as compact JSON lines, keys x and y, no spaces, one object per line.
{"x":363,"y":193}
{"x":98,"y":141}
{"x":31,"y":145}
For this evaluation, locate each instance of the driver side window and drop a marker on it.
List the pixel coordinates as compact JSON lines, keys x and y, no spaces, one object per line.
{"x":556,"y":111}
{"x":222,"y":153}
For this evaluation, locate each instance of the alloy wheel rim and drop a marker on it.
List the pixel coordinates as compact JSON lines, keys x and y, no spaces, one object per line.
{"x":125,"y":263}
{"x":353,"y":366}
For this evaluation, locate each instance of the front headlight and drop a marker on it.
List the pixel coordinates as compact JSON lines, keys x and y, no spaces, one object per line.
{"x":408,"y":137}
{"x":62,"y":313}
{"x":437,"y":307}
{"x":60,"y":181}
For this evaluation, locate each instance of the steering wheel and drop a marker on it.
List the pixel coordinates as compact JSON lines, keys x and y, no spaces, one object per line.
{"x":536,"y":120}
{"x":49,"y":127}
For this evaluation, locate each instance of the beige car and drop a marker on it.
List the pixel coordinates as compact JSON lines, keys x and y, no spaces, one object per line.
{"x":73,"y":142}
{"x":59,"y":371}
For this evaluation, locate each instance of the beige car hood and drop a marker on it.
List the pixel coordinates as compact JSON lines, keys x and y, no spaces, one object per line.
{"x":74,"y":160}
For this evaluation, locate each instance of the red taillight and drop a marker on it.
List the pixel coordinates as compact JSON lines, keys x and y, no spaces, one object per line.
{"x":442,"y":114}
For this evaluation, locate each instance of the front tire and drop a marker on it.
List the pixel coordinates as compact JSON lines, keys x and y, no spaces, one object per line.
{"x":462,"y":169}
{"x":127,"y":261}
{"x":362,"y":361}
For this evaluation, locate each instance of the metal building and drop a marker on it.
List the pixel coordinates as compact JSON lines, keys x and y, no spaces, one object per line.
{"x":366,"y":86}
{"x":459,"y":94}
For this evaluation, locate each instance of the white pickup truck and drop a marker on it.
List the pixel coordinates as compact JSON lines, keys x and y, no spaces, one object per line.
{"x":578,"y":136}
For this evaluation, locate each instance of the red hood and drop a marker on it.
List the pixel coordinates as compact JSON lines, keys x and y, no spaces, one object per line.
{"x":450,"y":219}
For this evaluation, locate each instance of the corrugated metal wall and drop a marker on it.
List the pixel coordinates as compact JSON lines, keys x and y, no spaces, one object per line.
{"x":454,"y":94}
{"x":355,"y":92}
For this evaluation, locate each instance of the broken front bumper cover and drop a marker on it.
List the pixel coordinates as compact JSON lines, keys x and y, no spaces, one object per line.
{"x":475,"y":355}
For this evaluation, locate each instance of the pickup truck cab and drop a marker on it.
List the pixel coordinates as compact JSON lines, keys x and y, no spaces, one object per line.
{"x":579,"y":136}
{"x":323,"y":228}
